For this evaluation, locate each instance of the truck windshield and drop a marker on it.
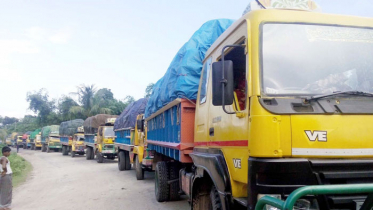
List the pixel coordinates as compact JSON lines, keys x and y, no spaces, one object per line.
{"x":38,"y":137}
{"x":54,"y":138}
{"x":108,"y":131}
{"x":300,"y":59}
{"x":80,"y":137}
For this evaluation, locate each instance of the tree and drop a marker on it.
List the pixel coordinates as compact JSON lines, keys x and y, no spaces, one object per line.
{"x":149,"y":90}
{"x":65,"y":103}
{"x":9,"y":120}
{"x":40,"y":104}
{"x":85,"y":94}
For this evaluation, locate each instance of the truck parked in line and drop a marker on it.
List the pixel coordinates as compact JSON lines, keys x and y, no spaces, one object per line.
{"x":77,"y":145}
{"x":19,"y":140}
{"x":35,"y":140}
{"x":50,"y":138}
{"x":128,"y":136}
{"x":67,"y":130}
{"x":270,"y":118}
{"x":99,"y":137}
{"x":8,"y":141}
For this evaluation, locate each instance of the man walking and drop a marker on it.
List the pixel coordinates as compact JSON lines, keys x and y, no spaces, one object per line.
{"x":6,"y":186}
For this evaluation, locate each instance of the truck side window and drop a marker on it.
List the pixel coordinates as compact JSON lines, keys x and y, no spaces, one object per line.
{"x":238,"y":57}
{"x":205,"y":79}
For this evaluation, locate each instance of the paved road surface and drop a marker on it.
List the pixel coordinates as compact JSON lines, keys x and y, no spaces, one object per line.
{"x":61,"y":183}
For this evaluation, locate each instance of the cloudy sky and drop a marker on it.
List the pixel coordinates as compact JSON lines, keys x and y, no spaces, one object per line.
{"x":117,"y":44}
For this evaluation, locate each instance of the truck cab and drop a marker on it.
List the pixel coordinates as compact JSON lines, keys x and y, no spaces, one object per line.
{"x":105,"y":141}
{"x":285,"y":100}
{"x":19,"y":141}
{"x":77,"y":144}
{"x":38,"y":141}
{"x":8,"y":141}
{"x":53,"y":142}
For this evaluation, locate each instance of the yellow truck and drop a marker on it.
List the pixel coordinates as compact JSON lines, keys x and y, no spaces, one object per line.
{"x":8,"y":142}
{"x":105,"y":141}
{"x":50,"y":138}
{"x":37,"y":140}
{"x":77,"y":144}
{"x":67,"y":130}
{"x":19,"y":141}
{"x":284,"y":101}
{"x":99,"y":137}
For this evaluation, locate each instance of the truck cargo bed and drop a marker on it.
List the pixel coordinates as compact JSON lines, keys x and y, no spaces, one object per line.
{"x":170,"y":131}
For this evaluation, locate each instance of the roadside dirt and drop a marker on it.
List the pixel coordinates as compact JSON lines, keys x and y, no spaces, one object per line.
{"x":60,"y":182}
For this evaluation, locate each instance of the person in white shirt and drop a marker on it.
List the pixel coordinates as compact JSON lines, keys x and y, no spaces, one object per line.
{"x":6,"y":186}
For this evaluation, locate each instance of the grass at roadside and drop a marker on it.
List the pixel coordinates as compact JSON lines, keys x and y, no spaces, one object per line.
{"x":20,"y":167}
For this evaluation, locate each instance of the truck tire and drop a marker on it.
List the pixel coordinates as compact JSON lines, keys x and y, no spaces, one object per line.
{"x":100,"y":158}
{"x":215,"y":199}
{"x":43,"y":149}
{"x":72,"y":153}
{"x":201,"y":199}
{"x":139,"y":169}
{"x":48,"y":149}
{"x":121,"y":161}
{"x":127,"y":160}
{"x":162,"y":189}
{"x":174,"y":186}
{"x":63,"y":150}
{"x":88,"y":154}
{"x":92,"y":154}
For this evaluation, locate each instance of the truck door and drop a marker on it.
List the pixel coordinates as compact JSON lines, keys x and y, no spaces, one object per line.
{"x":201,"y":119}
{"x":229,"y":132}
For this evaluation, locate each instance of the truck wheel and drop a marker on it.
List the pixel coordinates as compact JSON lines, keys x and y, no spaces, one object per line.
{"x":127,"y":160}
{"x":174,"y":186}
{"x":100,"y":158}
{"x":139,"y":170}
{"x":92,"y":154}
{"x":215,"y":199}
{"x":162,"y":188}
{"x":121,"y":161}
{"x":43,"y":149}
{"x":201,"y":199}
{"x":72,"y":154}
{"x":48,"y":149}
{"x":63,"y":150}
{"x":88,"y":154}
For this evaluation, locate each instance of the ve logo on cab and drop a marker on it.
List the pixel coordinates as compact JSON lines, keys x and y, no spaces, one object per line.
{"x":237,"y":163}
{"x":319,"y":135}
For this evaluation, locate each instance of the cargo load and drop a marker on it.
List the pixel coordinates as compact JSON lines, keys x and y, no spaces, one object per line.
{"x":127,"y":119}
{"x":69,"y":128}
{"x":182,"y":77}
{"x":91,"y":124}
{"x":34,"y":133}
{"x":52,"y":130}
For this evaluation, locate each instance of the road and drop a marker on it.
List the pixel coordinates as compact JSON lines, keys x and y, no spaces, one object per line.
{"x":60,"y":182}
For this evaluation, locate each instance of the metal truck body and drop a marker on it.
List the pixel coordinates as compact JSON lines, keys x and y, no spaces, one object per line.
{"x":37,"y":143}
{"x":276,"y":125}
{"x":66,"y":142}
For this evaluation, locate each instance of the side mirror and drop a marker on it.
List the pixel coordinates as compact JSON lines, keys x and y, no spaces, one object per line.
{"x":218,"y":83}
{"x":140,"y":125}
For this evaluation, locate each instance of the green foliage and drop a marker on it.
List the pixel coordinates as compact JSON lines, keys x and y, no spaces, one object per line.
{"x":39,"y":103}
{"x":9,"y":120}
{"x":65,"y":103}
{"x":149,"y":90}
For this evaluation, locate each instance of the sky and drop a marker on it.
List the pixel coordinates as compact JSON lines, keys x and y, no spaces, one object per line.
{"x":116,"y":44}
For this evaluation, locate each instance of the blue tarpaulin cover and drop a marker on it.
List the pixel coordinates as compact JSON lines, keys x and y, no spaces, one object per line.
{"x":182,"y":77}
{"x":127,"y":119}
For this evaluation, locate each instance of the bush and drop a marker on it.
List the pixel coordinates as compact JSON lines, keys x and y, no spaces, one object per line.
{"x":17,"y":163}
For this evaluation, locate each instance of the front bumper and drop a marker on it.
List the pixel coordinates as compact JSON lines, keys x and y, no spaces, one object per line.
{"x":55,"y":145}
{"x":282,"y":176}
{"x":108,"y":149}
